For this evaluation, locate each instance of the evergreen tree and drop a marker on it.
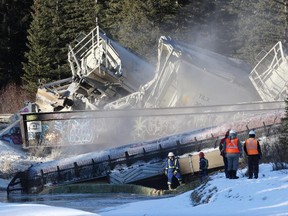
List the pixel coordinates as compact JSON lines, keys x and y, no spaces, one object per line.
{"x":195,"y":22}
{"x":261,"y":24}
{"x":79,"y":16}
{"x":207,"y":24}
{"x":138,"y":24}
{"x":55,"y":24}
{"x":39,"y":60}
{"x":15,"y":18}
{"x":3,"y":45}
{"x":283,"y":4}
{"x":281,"y":149}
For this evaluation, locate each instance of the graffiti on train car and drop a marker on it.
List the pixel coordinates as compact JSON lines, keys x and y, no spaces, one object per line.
{"x":109,"y":131}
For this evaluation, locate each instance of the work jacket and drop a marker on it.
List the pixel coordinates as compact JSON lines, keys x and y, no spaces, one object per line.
{"x":203,"y":164}
{"x":232,"y":146}
{"x":251,"y":146}
{"x":172,"y":164}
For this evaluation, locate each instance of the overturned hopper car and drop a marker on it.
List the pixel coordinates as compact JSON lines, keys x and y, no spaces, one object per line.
{"x":107,"y":76}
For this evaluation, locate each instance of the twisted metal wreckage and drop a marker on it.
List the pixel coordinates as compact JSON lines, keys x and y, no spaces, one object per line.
{"x":115,"y":98}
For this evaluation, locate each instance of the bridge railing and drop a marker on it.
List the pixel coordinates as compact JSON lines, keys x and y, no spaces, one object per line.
{"x":88,"y":169}
{"x":100,"y":130}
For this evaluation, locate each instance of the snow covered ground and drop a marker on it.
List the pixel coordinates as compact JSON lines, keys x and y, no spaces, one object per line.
{"x":14,"y":159}
{"x":266,"y":195}
{"x":220,"y":196}
{"x":37,"y":210}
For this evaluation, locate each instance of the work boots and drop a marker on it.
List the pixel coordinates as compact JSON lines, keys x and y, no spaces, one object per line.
{"x":230,"y":174}
{"x":234,"y":174}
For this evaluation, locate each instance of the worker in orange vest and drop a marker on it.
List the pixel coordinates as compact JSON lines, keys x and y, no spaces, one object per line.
{"x":233,"y":151}
{"x":221,"y":149}
{"x":253,"y":151}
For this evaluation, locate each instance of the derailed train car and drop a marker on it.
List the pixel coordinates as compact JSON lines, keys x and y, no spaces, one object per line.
{"x":199,"y":77}
{"x":102,"y":72}
{"x":139,"y":162}
{"x":107,"y":76}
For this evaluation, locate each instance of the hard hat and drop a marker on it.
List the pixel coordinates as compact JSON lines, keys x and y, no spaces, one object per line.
{"x":232,"y":132}
{"x":251,"y":132}
{"x":171,"y":154}
{"x":201,"y":154}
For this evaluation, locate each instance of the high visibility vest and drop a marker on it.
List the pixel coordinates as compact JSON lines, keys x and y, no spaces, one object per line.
{"x":206,"y":163}
{"x":232,"y":146}
{"x":251,"y":146}
{"x":173,"y":165}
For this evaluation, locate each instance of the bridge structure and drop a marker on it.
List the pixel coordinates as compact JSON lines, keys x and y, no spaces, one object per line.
{"x":126,"y":165}
{"x":142,"y":158}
